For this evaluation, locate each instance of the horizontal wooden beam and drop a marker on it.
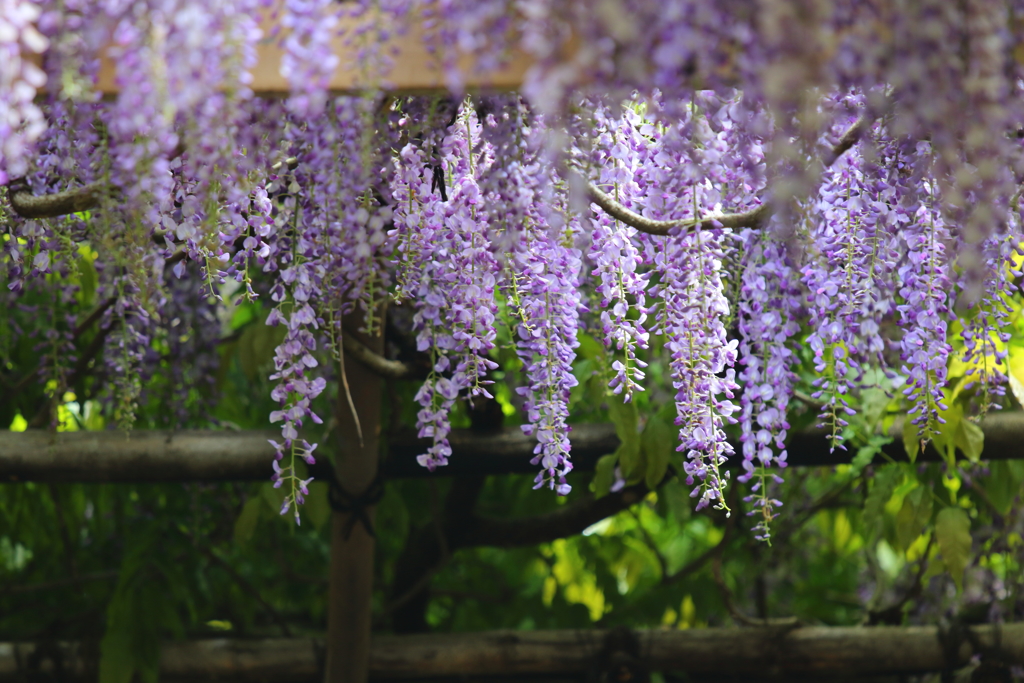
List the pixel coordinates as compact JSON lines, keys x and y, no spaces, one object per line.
{"x":166,"y":456}
{"x":725,"y":652}
{"x":413,"y":66}
{"x":163,"y":456}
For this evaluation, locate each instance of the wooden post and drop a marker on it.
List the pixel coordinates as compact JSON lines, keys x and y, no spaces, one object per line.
{"x":352,"y":546}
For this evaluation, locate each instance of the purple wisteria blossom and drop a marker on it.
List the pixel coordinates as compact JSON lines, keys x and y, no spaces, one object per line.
{"x":693,"y":304}
{"x":848,"y":276}
{"x":766,"y":322}
{"x":925,"y":288}
{"x":544,"y":295}
{"x":455,"y":278}
{"x":474,"y":211}
{"x":21,"y":121}
{"x":614,"y":252}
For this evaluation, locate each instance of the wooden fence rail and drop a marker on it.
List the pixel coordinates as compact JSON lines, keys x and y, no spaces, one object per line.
{"x":160,"y":456}
{"x":722,"y":651}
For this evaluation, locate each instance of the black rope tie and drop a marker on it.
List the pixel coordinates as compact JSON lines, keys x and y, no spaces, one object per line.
{"x":356,"y":506}
{"x":437,"y":182}
{"x":993,"y":666}
{"x":950,"y":639}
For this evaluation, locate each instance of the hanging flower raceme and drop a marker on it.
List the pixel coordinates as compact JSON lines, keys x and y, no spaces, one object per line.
{"x":766,"y":322}
{"x":693,"y":309}
{"x":449,"y":267}
{"x":847,"y":294}
{"x":616,"y":259}
{"x":702,"y":359}
{"x":986,"y":323}
{"x":294,"y":363}
{"x":472,"y":277}
{"x":417,"y":237}
{"x":327,"y":255}
{"x":308,"y":60}
{"x":924,"y":290}
{"x":544,"y":296}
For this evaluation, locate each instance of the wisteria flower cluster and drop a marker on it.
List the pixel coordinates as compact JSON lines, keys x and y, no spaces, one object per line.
{"x":768,"y":311}
{"x":21,"y":121}
{"x":683,"y":181}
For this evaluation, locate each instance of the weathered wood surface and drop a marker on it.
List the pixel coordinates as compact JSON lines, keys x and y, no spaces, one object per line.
{"x":413,"y":67}
{"x":350,"y":594}
{"x":738,"y":651}
{"x":161,"y":456}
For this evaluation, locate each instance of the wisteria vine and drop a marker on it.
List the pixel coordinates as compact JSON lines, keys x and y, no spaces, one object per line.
{"x":754,"y":197}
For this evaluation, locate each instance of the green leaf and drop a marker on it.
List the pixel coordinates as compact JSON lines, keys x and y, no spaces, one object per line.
{"x":583,"y":370}
{"x":589,"y":347}
{"x":89,"y":278}
{"x":245,"y":524}
{"x":883,"y":485}
{"x":142,"y":608}
{"x":873,"y":404}
{"x":913,"y":516}
{"x":947,"y":435}
{"x":1003,"y":484}
{"x":625,"y":418}
{"x":317,"y":507}
{"x":970,"y":439}
{"x":911,"y":439}
{"x":657,"y":443}
{"x":953,"y":532}
{"x":1015,"y":365}
{"x":274,"y":497}
{"x":604,"y":475}
{"x":866,"y":454}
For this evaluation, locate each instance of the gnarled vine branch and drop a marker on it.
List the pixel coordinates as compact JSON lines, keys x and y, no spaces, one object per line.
{"x":75,"y":200}
{"x":753,"y":218}
{"x":84,"y":198}
{"x":375,"y":363}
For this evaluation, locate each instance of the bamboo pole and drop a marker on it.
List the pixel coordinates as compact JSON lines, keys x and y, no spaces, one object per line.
{"x":349,"y":610}
{"x":754,"y":652}
{"x":164,"y":456}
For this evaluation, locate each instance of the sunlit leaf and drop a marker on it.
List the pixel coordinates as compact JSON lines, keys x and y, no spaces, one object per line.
{"x":948,"y":433}
{"x":913,"y":516}
{"x":953,"y":533}
{"x":1015,"y":367}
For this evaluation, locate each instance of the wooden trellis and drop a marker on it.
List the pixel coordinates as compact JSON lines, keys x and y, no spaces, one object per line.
{"x":347,"y":655}
{"x":722,"y":653}
{"x":179,"y":456}
{"x":413,"y":66}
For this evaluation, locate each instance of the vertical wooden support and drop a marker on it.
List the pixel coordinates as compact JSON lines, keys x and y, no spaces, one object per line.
{"x":352,"y":546}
